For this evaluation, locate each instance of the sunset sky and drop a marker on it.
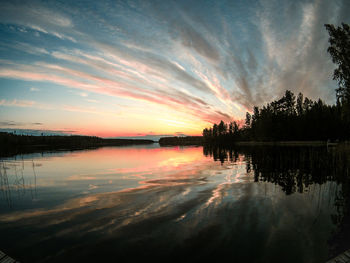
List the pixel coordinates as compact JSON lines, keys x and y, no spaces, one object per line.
{"x":133,"y":68}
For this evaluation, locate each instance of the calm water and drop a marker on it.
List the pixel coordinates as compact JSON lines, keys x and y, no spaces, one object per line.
{"x":122,"y":203}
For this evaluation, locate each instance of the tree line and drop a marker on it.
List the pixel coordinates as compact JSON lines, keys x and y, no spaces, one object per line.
{"x":287,"y":118}
{"x":12,"y":144}
{"x":297,"y":117}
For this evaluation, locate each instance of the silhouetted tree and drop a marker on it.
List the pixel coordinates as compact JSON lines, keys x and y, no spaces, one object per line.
{"x":222,"y":128}
{"x":307,"y":105}
{"x":248,"y":118}
{"x":230,"y":129}
{"x":215,"y":130}
{"x":289,"y":102}
{"x":299,"y":106}
{"x":235,"y":128}
{"x":339,"y":49}
{"x":206,"y":133}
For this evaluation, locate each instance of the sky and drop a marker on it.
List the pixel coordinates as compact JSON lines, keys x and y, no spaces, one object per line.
{"x":147,"y":68}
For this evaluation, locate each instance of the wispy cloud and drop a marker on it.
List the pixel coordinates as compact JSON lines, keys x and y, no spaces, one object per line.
{"x":173,"y":99}
{"x":18,"y":103}
{"x":38,"y":17}
{"x":299,"y":61}
{"x":18,"y":124}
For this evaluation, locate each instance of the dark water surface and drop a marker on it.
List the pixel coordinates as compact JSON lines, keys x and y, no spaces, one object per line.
{"x":258,"y":204}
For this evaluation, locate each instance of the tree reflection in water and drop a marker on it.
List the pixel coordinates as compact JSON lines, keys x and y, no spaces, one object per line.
{"x":295,"y":169}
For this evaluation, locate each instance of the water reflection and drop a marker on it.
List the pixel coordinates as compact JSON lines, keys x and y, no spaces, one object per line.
{"x":321,"y":172}
{"x":293,"y":168}
{"x":252,"y":205}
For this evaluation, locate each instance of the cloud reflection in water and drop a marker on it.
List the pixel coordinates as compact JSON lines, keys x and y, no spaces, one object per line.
{"x":168,"y":202}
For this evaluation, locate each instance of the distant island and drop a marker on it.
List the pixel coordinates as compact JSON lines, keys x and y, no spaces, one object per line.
{"x":188,"y":140}
{"x":12,"y":144}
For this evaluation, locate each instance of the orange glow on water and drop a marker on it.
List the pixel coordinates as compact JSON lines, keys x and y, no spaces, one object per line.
{"x":128,"y":159}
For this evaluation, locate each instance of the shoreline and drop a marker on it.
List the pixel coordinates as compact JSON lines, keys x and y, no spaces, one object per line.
{"x":199,"y":141}
{"x":22,"y":144}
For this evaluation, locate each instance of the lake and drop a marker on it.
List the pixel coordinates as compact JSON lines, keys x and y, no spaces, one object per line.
{"x":252,"y":204}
